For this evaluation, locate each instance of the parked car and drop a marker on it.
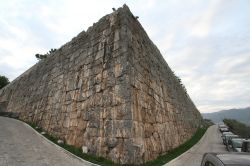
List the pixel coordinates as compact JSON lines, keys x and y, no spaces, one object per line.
{"x":226,"y":159}
{"x":222,"y":126}
{"x":227,"y":138}
{"x":224,"y":134}
{"x":230,"y":140}
{"x":245,"y":146}
{"x":240,"y":145}
{"x":236,"y":144}
{"x":224,"y":129}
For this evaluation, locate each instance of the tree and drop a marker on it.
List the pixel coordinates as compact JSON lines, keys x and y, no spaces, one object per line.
{"x":3,"y":81}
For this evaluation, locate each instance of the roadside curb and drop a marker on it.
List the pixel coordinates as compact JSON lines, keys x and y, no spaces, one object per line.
{"x":188,"y":151}
{"x":57,"y":146}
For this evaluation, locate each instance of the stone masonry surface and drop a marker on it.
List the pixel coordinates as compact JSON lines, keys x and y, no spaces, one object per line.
{"x":108,"y":90}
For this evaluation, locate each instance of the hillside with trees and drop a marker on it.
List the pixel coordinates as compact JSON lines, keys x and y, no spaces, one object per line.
{"x":238,"y":127}
{"x":3,"y":81}
{"x":241,"y":115}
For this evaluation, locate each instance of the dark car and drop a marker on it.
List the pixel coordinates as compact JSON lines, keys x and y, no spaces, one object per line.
{"x":228,"y":137}
{"x":224,"y":136}
{"x":245,"y":146}
{"x":226,"y":159}
{"x":236,"y":144}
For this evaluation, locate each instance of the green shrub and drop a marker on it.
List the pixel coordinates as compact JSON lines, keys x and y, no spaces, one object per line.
{"x":44,"y":56}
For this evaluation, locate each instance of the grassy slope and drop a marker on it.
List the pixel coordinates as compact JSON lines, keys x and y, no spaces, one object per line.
{"x":161,"y":160}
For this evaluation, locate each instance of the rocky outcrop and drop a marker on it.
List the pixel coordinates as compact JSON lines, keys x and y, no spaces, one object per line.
{"x":109,"y":91}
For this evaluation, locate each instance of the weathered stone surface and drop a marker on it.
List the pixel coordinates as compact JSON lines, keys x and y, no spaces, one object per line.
{"x":109,"y":91}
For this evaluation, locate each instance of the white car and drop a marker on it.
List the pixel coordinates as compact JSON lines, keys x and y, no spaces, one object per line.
{"x":224,"y":129}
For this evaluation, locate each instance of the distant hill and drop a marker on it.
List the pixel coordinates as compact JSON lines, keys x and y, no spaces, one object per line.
{"x":242,"y":115}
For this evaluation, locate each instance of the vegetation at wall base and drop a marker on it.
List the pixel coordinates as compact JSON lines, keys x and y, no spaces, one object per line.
{"x":161,"y":160}
{"x":76,"y":151}
{"x":238,"y":128}
{"x":207,"y":122}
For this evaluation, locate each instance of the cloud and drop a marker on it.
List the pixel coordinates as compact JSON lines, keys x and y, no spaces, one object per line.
{"x":206,"y":43}
{"x":30,"y":27}
{"x":201,"y":25}
{"x":237,"y":64}
{"x":210,"y":53}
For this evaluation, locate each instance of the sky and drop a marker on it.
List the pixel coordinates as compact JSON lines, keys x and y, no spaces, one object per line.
{"x":206,"y":43}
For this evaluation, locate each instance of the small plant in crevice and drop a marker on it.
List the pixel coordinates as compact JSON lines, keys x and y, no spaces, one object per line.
{"x":44,"y":56}
{"x":180,"y":82}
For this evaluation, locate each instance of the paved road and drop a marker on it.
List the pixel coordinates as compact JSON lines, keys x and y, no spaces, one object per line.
{"x":211,"y":142}
{"x":21,"y":146}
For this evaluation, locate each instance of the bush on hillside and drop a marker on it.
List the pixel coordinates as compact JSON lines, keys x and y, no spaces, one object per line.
{"x":238,"y":128}
{"x":3,"y":81}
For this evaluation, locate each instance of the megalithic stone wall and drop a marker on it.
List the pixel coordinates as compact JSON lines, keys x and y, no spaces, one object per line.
{"x":109,"y":90}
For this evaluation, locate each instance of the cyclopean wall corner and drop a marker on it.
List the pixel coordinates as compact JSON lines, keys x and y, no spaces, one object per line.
{"x":109,"y":90}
